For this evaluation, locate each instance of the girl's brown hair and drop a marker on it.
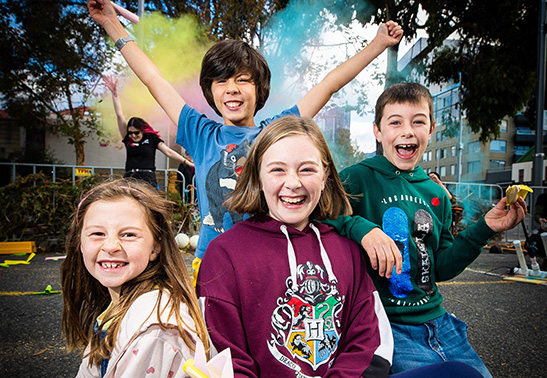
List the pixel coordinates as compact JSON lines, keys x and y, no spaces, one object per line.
{"x":247,"y":196}
{"x":85,"y":298}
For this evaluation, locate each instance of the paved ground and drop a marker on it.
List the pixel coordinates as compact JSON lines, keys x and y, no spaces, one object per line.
{"x":507,"y":320}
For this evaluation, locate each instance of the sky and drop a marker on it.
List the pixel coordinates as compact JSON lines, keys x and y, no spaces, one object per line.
{"x":362,"y":125}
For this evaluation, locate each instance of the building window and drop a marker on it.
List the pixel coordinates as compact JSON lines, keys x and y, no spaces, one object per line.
{"x":443,"y":153}
{"x":437,"y":154}
{"x":438,"y":136}
{"x":498,"y":145}
{"x":429,"y":155}
{"x":474,"y":166}
{"x":452,"y":169}
{"x":520,"y":150}
{"x":424,"y":157}
{"x":474,"y":147}
{"x":443,"y":170}
{"x":503,"y":126}
{"x":521,"y":175}
{"x":497,"y":165}
{"x":452,"y":151}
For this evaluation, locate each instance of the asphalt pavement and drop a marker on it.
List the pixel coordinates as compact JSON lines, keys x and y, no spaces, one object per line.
{"x":507,"y":320}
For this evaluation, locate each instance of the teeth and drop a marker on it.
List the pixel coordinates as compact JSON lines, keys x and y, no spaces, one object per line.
{"x":108,"y":265}
{"x":292,"y":200}
{"x":233,"y":104}
{"x":406,"y":146}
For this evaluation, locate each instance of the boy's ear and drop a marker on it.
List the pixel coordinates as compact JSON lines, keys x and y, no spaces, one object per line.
{"x":432,"y":129}
{"x":378,"y":133}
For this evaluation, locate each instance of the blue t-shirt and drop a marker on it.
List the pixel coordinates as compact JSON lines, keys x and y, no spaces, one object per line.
{"x":219,"y":152}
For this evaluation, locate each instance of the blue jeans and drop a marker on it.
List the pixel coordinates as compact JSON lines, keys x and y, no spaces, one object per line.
{"x":438,"y":340}
{"x":449,"y":369}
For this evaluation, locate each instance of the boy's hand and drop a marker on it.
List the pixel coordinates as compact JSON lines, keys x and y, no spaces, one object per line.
{"x":389,"y":33}
{"x":101,"y":11}
{"x":499,"y":219}
{"x":382,"y":252}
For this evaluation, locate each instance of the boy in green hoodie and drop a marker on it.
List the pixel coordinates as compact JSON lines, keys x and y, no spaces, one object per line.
{"x":402,"y":220}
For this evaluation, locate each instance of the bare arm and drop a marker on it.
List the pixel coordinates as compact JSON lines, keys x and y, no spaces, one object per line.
{"x":172,"y":154}
{"x":164,"y":93}
{"x":112,"y":84}
{"x":389,"y":34}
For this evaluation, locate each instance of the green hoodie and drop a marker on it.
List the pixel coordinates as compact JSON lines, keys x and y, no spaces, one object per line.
{"x":416,"y":213}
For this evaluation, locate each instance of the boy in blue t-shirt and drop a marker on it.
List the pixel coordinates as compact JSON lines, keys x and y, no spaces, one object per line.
{"x":235,"y":80}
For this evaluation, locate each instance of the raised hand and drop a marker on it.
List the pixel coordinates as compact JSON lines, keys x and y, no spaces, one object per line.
{"x":390,"y":33}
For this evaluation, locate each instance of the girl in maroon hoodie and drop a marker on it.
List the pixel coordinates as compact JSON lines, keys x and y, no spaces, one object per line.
{"x":287,"y":295}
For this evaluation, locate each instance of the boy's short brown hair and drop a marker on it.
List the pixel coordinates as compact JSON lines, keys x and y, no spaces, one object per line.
{"x":412,"y":93}
{"x":228,"y":58}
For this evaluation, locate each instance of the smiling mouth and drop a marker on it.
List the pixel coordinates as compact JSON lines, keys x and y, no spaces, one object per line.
{"x":112,"y":265}
{"x":406,"y":150}
{"x":292,"y":200}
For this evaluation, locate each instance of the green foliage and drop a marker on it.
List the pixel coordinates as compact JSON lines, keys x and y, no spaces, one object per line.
{"x":494,"y":48}
{"x":345,"y":152}
{"x":236,"y":19}
{"x":186,"y":216}
{"x":37,"y":209}
{"x":496,"y":57}
{"x":52,"y":56}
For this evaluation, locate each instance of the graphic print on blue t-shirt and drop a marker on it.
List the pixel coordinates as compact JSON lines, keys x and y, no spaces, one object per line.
{"x":395,"y":225}
{"x":307,"y":320}
{"x":221,"y":181}
{"x":423,"y":227}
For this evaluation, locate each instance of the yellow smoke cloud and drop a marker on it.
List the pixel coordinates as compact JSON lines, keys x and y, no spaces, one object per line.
{"x":177,"y":47}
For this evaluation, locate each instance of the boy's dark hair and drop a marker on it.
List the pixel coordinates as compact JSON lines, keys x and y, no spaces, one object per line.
{"x":228,"y":58}
{"x":412,"y":93}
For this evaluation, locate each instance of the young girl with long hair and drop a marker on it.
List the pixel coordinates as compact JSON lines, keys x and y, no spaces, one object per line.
{"x":128,"y":298}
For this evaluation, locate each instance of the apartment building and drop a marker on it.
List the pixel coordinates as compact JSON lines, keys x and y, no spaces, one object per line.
{"x":455,"y":151}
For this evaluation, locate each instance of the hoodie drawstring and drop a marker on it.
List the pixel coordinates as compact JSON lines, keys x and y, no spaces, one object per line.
{"x":324,"y":256}
{"x":292,"y":257}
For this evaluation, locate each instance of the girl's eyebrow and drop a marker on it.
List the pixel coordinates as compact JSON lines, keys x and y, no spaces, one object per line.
{"x":313,"y":162}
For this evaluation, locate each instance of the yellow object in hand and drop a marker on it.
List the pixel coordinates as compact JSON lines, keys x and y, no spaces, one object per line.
{"x":192,"y":371}
{"x":515,"y":191}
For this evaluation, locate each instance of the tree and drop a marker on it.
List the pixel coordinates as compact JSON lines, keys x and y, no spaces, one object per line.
{"x":51,"y":60}
{"x":345,"y":151}
{"x":236,"y":19}
{"x":493,"y":54}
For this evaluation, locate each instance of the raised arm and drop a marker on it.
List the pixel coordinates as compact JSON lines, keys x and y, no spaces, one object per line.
{"x":389,"y":34}
{"x":172,"y":154}
{"x":164,"y":93}
{"x":112,"y":84}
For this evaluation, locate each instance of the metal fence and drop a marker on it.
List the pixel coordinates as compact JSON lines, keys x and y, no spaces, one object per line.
{"x":54,"y":172}
{"x":478,"y":197}
{"x":474,"y":198}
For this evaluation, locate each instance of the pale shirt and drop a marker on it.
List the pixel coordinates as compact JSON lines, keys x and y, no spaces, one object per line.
{"x":143,"y":348}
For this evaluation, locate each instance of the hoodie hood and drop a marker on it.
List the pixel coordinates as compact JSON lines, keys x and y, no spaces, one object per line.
{"x":380,"y":164}
{"x":266,"y":223}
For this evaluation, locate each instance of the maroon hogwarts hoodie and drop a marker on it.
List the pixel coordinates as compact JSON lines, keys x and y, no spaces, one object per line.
{"x":293,"y":303}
